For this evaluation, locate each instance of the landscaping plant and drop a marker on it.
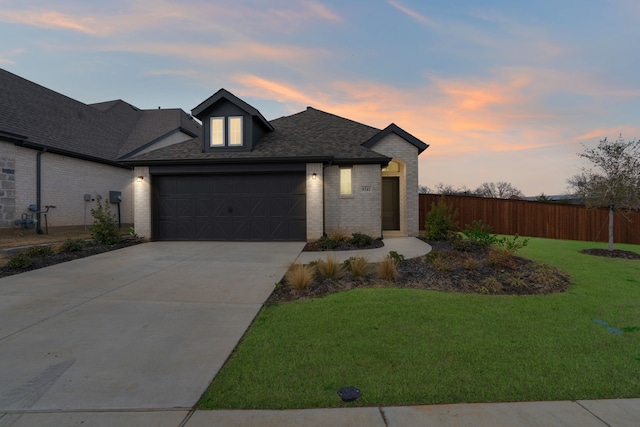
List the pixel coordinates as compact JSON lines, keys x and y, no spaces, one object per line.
{"x":300,"y":276}
{"x":440,"y":221}
{"x":331,"y":268}
{"x":359,"y":267}
{"x":105,"y":229}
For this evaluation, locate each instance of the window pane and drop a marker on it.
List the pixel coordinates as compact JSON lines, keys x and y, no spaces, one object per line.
{"x":235,"y":130}
{"x":217,"y":131}
{"x":345,"y":181}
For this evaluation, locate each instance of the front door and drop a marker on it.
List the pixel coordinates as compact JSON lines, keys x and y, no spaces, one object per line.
{"x":390,"y":203}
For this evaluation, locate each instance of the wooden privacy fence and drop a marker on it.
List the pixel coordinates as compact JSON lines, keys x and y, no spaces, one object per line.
{"x":538,"y":219}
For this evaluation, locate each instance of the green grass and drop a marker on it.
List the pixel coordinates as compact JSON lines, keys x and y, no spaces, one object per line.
{"x":407,"y":346}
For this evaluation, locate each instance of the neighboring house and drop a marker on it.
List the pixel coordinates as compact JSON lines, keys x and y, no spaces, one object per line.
{"x":56,"y":151}
{"x":236,"y":177}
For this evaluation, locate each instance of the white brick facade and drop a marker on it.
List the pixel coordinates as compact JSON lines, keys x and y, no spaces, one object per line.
{"x":315,"y":201}
{"x":64,"y":182}
{"x":358,"y":212}
{"x":407,"y":155}
{"x":142,"y":197}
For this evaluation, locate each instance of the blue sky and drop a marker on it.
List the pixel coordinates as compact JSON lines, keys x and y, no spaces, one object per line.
{"x":501,"y":90}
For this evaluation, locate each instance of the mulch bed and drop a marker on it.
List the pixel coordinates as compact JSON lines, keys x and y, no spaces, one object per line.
{"x":616,"y":253}
{"x":88,"y":250}
{"x":449,"y":270}
{"x":342,"y":246}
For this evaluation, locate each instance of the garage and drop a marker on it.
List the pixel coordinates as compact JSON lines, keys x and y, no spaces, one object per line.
{"x":242,"y":207}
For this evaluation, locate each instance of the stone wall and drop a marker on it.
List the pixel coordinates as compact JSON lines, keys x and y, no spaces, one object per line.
{"x":7,"y":191}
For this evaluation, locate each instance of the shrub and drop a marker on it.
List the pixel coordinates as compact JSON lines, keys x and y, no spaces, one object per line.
{"x":500,"y":258}
{"x":326,"y":244}
{"x":105,"y":226}
{"x":490,"y":285}
{"x":340,"y":236}
{"x":38,"y":251}
{"x":396,"y":257}
{"x":470,"y":264}
{"x":479,"y":232}
{"x":361,"y":240}
{"x":19,"y":261}
{"x":442,"y":264}
{"x":359,"y":267}
{"x":71,"y":245}
{"x":388,"y":269}
{"x":440,"y":220}
{"x":300,"y":276}
{"x":461,"y":244}
{"x":331,"y":268}
{"x":512,"y":244}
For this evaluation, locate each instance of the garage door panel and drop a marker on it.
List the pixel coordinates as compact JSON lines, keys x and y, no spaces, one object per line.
{"x":239,"y":207}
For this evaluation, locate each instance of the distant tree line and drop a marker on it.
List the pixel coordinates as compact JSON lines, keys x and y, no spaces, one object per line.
{"x":497,"y":190}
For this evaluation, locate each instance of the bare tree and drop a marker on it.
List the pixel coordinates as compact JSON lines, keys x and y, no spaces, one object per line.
{"x":498,"y":190}
{"x":449,"y":189}
{"x":613,"y":180}
{"x":423,"y":189}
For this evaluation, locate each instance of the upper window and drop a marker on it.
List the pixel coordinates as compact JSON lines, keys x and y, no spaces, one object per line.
{"x":226,"y":131}
{"x":235,"y":131}
{"x":217,"y":131}
{"x":345,"y":181}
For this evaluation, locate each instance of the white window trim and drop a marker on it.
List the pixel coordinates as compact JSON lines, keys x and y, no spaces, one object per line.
{"x":230,"y":131}
{"x":212,"y":135}
{"x":346,"y":192}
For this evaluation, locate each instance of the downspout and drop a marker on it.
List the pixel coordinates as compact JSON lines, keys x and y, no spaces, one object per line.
{"x":39,"y":188}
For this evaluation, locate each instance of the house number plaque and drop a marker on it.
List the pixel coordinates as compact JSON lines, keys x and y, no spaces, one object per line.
{"x":366,"y":188}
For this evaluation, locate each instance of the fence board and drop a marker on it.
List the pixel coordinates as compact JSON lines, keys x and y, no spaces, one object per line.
{"x":538,"y":219}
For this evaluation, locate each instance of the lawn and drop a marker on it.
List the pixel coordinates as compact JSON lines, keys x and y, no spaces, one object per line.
{"x":408,"y":346}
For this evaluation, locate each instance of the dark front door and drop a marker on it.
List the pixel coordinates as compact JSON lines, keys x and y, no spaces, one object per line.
{"x":391,"y":203}
{"x":251,"y":207}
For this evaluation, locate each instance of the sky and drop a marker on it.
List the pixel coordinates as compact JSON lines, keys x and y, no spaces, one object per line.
{"x":500,"y":90}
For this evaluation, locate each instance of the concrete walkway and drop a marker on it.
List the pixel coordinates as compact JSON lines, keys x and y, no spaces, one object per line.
{"x":133,"y":337}
{"x":410,"y":247}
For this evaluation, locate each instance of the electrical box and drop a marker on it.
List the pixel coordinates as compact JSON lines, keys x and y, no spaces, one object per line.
{"x":87,"y":197}
{"x":115,"y":196}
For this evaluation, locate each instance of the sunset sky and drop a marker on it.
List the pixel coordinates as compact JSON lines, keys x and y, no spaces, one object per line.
{"x":501,"y":90}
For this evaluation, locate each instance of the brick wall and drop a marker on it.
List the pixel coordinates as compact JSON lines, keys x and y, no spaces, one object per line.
{"x":7,"y":191}
{"x":65,"y":181}
{"x":142,"y":197}
{"x":360,"y":211}
{"x":315,"y":202}
{"x":397,"y":148}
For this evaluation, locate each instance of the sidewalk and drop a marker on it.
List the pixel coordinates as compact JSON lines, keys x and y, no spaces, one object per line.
{"x":410,"y":247}
{"x":582,"y":413}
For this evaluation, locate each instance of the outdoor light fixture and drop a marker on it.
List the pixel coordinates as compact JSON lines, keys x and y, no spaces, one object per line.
{"x":349,"y":394}
{"x":140,"y":178}
{"x":314,"y":176}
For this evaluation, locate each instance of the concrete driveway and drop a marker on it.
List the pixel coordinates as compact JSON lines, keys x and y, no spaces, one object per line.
{"x":143,"y":327}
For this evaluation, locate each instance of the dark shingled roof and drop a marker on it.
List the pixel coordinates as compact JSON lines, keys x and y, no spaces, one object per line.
{"x":101,"y":132}
{"x":308,"y":135}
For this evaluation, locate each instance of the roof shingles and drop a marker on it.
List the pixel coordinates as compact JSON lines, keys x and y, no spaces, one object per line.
{"x":306,"y":135}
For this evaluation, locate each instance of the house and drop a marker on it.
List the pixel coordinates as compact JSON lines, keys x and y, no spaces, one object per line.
{"x":237,"y":177}
{"x":56,"y":151}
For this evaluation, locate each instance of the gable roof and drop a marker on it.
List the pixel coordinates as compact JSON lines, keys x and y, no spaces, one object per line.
{"x":100,"y":132}
{"x":224,"y":94}
{"x":311,"y":135}
{"x":393,"y":128}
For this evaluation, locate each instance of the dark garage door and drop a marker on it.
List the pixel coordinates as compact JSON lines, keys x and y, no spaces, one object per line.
{"x":251,"y":207}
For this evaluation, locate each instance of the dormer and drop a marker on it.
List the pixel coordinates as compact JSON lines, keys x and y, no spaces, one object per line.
{"x":229,"y":123}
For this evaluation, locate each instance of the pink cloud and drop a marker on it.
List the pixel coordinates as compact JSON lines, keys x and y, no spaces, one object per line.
{"x":411,"y":13}
{"x":50,"y":19}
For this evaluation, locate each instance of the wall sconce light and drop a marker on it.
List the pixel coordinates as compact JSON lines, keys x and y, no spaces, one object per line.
{"x":140,"y":178}
{"x":314,"y":176}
